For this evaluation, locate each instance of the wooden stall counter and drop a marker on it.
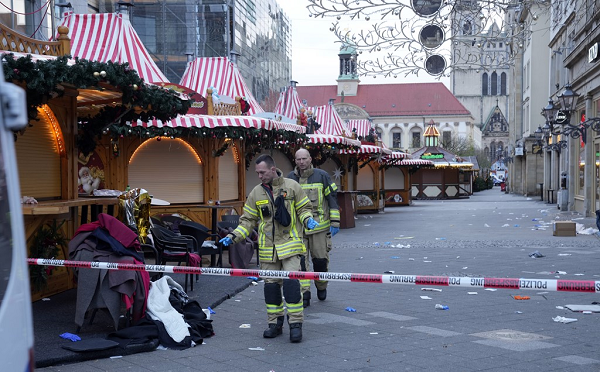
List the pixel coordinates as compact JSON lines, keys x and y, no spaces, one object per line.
{"x":73,"y":213}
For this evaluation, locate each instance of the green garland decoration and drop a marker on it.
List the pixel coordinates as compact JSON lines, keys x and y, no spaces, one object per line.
{"x":47,"y":242}
{"x":45,"y":79}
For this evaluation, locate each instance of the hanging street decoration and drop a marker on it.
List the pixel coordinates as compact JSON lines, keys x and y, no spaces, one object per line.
{"x":435,"y":36}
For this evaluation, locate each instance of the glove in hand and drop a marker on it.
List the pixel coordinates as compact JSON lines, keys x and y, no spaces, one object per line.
{"x":226,"y":241}
{"x":311,"y":224}
{"x":334,"y":230}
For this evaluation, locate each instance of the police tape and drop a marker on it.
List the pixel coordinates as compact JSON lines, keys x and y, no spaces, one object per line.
{"x":446,"y":281}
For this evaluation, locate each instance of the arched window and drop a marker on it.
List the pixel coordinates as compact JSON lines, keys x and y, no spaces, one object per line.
{"x":494,"y":83}
{"x":503,"y":83}
{"x":467,"y":28}
{"x":484,"y":84}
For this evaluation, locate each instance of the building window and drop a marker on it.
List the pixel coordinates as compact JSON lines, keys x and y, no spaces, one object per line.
{"x":416,"y":139}
{"x":467,"y":28}
{"x":397,"y":140}
{"x":446,"y":138}
{"x":484,"y":84}
{"x":494,"y":83}
{"x":503,"y":83}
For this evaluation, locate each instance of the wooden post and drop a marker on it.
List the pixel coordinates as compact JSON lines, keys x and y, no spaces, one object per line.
{"x":63,"y":39}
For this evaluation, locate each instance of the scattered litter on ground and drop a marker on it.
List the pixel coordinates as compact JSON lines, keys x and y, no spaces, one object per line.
{"x":395,"y":257}
{"x":564,"y":254}
{"x":374,"y":333}
{"x":405,"y":237}
{"x":518,"y":312}
{"x":367,"y":225}
{"x":521,"y":297}
{"x":431,"y":289}
{"x":116,"y":356}
{"x":45,"y":299}
{"x":536,"y":254}
{"x":403,"y":246}
{"x":351,"y":309}
{"x":466,"y":267}
{"x":387,"y":243}
{"x":389,"y":272}
{"x":440,"y":238}
{"x":560,"y":307}
{"x":360,"y":258}
{"x":411,"y":259}
{"x":457,"y":256}
{"x":245,"y":326}
{"x":562,"y":319}
{"x":592,"y":308}
{"x":441,"y":307}
{"x":211,"y":310}
{"x":425,"y":298}
{"x":578,"y":274}
{"x":375,"y":243}
{"x":256,"y":349}
{"x":471,"y":293}
{"x":253,"y":283}
{"x":70,"y":336}
{"x":505,"y":225}
{"x":542,"y":293}
{"x":486,"y":225}
{"x":561,"y":272}
{"x":583,"y":231}
{"x":491,"y":289}
{"x":427,"y":261}
{"x":252,"y":278}
{"x":238,"y":300}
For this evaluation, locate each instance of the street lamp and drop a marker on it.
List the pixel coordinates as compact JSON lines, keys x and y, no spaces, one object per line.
{"x":568,"y":99}
{"x":549,"y":112}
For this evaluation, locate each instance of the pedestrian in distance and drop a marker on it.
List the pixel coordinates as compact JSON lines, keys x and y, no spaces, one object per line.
{"x":323,"y":196}
{"x":281,"y":210}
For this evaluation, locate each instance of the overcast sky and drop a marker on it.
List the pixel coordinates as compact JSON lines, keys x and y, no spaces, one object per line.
{"x":315,"y":51}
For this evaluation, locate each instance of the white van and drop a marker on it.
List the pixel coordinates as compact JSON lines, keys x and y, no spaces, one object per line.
{"x":16,"y":324}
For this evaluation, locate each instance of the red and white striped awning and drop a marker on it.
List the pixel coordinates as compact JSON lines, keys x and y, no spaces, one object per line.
{"x":220,"y":74}
{"x":362,"y":126}
{"x":415,"y":162}
{"x":289,"y":104}
{"x":368,"y":149}
{"x":398,"y":155}
{"x":110,"y":37}
{"x":211,"y":121}
{"x":326,"y":138}
{"x":330,"y":121}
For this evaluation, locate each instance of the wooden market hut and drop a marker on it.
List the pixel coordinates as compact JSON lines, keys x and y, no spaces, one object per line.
{"x":58,"y":90}
{"x":450,"y":178}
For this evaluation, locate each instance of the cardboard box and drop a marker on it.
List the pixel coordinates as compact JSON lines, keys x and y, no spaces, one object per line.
{"x":564,"y":228}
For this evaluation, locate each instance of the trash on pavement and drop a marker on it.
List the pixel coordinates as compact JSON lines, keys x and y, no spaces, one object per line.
{"x":521,"y":297}
{"x":211,"y":310}
{"x":394,"y":257}
{"x":431,"y":289}
{"x":441,"y":307}
{"x":245,"y":326}
{"x":561,"y":272}
{"x":256,"y":349}
{"x":592,"y":308}
{"x":471,"y":293}
{"x":491,"y":289}
{"x":389,"y":272}
{"x":536,"y":254}
{"x":518,"y":312}
{"x":486,"y":225}
{"x":70,"y":336}
{"x":351,"y":309}
{"x":374,"y":333}
{"x":505,"y":225}
{"x":425,"y":298}
{"x":562,"y":319}
{"x":440,"y":238}
{"x":564,"y":254}
{"x":252,"y":278}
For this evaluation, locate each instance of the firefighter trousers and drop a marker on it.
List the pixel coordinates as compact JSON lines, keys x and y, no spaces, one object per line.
{"x":291,"y":291}
{"x":317,"y":251}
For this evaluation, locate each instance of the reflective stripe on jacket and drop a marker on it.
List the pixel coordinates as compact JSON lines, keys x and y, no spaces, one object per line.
{"x":323,"y":196}
{"x":259,"y":210}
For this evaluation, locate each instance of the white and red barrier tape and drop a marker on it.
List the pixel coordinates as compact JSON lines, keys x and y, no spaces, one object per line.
{"x":448,"y":281}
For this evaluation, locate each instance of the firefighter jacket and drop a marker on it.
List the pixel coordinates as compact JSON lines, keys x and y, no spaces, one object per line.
{"x":323,"y":196}
{"x":272,"y":236}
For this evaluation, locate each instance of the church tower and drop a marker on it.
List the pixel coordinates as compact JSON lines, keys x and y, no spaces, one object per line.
{"x":480,"y":74}
{"x":348,"y":78}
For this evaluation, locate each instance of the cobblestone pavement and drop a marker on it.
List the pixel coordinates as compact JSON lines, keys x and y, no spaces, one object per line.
{"x":393,"y":329}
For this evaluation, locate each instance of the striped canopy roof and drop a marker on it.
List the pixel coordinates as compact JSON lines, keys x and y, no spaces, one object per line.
{"x":362,"y":126}
{"x":221,"y":74}
{"x":331,"y":122}
{"x":108,"y":37}
{"x":368,"y":149}
{"x":209,"y":121}
{"x":326,"y":138}
{"x":289,"y":104}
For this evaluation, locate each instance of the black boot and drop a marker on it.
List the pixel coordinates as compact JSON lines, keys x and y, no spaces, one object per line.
{"x":306,"y":299}
{"x":275,"y":329}
{"x":296,"y":332}
{"x":322,"y":294}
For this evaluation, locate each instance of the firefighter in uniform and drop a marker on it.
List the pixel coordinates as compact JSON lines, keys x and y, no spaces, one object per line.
{"x":281,"y":209}
{"x":323,"y":196}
